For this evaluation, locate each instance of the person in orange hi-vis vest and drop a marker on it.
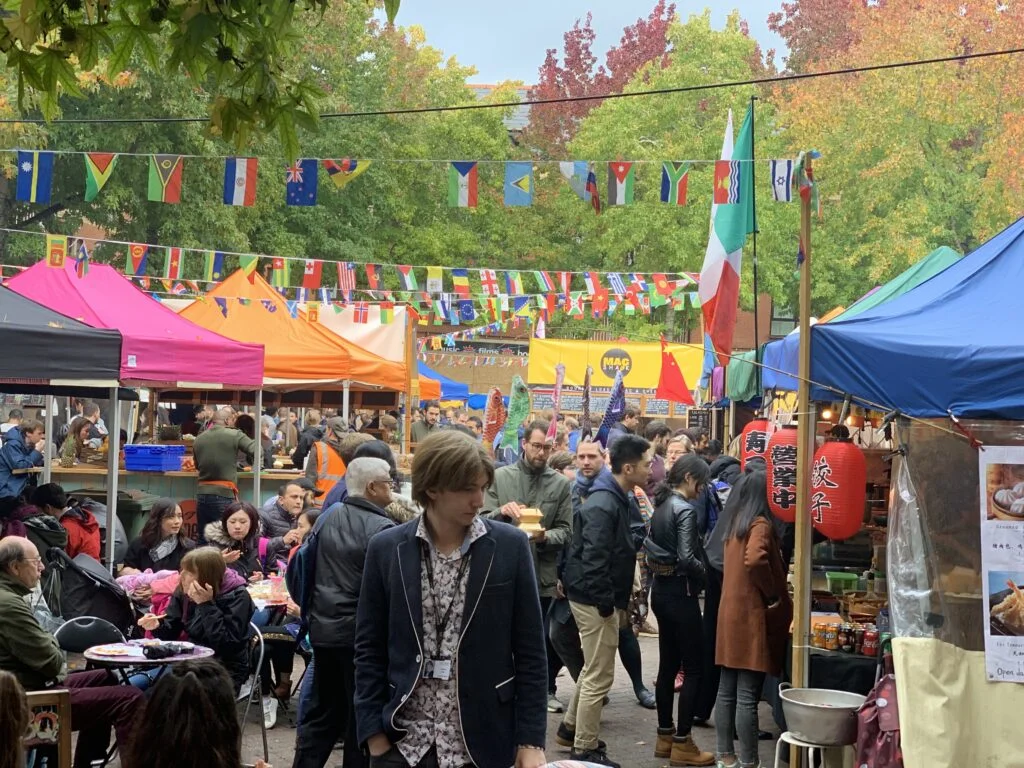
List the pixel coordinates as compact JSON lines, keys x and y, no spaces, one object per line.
{"x":324,"y":466}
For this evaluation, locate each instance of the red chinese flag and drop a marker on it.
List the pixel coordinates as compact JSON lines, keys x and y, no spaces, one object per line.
{"x":671,"y":384}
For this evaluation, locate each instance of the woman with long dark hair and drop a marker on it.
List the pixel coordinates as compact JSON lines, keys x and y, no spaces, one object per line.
{"x":162,"y":543}
{"x":753,"y":620}
{"x":14,"y":720}
{"x":189,"y":719}
{"x":237,"y":536}
{"x":675,"y":556}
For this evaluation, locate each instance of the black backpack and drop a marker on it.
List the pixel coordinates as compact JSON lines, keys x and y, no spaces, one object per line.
{"x":88,"y":589}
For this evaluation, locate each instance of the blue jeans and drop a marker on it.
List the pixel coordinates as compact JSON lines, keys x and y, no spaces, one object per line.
{"x":145,"y":678}
{"x":739,"y":691}
{"x":306,"y":690}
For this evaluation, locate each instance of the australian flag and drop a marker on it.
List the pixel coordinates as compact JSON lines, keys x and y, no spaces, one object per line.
{"x":300,"y":181}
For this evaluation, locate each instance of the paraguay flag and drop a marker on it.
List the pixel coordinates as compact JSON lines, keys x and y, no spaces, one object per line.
{"x":240,"y":181}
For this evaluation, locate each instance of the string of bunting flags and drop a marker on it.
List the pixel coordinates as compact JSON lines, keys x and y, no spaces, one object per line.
{"x":36,"y":168}
{"x":447,"y":295}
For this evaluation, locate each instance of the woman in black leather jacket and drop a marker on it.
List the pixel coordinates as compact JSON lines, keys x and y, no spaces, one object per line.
{"x":675,"y":556}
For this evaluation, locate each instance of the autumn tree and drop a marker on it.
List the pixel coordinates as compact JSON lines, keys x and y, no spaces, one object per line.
{"x":577,"y":73}
{"x":816,"y":31}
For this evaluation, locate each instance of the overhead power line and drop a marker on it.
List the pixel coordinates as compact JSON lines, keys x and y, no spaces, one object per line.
{"x":560,"y":100}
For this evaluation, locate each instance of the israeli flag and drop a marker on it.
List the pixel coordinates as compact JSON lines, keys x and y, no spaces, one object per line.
{"x":782,"y":180}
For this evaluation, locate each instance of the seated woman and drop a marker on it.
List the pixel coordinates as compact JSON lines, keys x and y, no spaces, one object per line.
{"x":82,"y":527}
{"x":75,"y":444}
{"x":161,"y":545}
{"x":237,"y":536}
{"x":211,"y":607}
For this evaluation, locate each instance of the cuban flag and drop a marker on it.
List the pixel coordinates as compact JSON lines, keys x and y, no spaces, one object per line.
{"x":240,"y":181}
{"x":782,"y":180}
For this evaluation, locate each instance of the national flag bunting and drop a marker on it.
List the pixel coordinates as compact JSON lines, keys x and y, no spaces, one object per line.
{"x":620,"y":183}
{"x":346,"y":278}
{"x":56,"y":251}
{"x":576,"y":174}
{"x":165,"y":178}
{"x":407,"y":277}
{"x":513,"y":283}
{"x":345,"y":171}
{"x":213,"y":267}
{"x":637,"y":279}
{"x":467,"y":311}
{"x":544,"y":281}
{"x":300,"y":182}
{"x":617,"y":285}
{"x":489,"y":282}
{"x":138,"y":257}
{"x":172,"y":264}
{"x":179,"y":289}
{"x":313,"y":312}
{"x":35,"y":177}
{"x":593,"y":282}
{"x":240,"y":181}
{"x":727,"y":182}
{"x":673,"y":182}
{"x":719,"y":285}
{"x":595,"y":195}
{"x":278,"y":272}
{"x":373,"y":276}
{"x":460,"y":281}
{"x":782,"y":180}
{"x":248,"y":265}
{"x":79,"y":251}
{"x":98,"y":168}
{"x":387,"y":312}
{"x":462,"y":185}
{"x":312,"y":274}
{"x":361,"y":313}
{"x":435,"y":280}
{"x":518,"y":184}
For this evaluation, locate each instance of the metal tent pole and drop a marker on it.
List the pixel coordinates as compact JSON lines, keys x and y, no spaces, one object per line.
{"x":113,"y":466}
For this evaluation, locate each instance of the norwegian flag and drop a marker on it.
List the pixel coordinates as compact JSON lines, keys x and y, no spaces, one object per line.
{"x":361,"y":313}
{"x":346,"y":277}
{"x":638,"y":280}
{"x":489,"y":282}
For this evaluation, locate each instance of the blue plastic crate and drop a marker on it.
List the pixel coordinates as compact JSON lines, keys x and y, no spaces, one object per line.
{"x":153,"y":458}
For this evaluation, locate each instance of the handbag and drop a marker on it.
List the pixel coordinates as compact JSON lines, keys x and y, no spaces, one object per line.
{"x":878,"y":723}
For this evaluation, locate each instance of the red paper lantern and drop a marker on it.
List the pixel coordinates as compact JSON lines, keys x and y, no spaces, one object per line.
{"x":754,"y":440}
{"x":780,"y":458}
{"x":838,"y":489}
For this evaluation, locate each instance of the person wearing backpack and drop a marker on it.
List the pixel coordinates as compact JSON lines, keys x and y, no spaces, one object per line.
{"x":330,"y":565}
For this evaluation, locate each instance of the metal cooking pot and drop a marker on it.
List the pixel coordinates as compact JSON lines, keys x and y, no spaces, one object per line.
{"x":821,"y":716}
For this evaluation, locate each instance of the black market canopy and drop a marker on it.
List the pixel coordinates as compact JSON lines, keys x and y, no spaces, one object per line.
{"x":46,"y":351}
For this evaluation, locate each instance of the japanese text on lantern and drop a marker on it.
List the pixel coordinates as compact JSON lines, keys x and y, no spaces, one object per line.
{"x":784,"y":475}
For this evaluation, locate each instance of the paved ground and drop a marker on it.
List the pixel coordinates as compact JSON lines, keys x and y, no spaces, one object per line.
{"x":628,"y":728}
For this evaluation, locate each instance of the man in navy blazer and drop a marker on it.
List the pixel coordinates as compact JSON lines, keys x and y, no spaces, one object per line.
{"x":450,"y":657}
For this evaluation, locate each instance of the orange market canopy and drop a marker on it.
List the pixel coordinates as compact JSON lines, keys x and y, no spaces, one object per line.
{"x":299,"y":354}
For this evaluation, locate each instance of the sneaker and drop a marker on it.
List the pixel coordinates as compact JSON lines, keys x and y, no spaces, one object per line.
{"x":269,"y":712}
{"x":646,"y":699}
{"x":246,"y":690}
{"x":554,"y":705}
{"x":566,"y":737}
{"x":595,"y":757}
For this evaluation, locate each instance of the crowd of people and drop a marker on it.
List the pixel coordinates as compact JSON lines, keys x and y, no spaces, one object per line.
{"x":434,"y":630}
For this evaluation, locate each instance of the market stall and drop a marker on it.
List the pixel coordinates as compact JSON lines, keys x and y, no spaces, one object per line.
{"x":950,"y":347}
{"x":449,"y":389}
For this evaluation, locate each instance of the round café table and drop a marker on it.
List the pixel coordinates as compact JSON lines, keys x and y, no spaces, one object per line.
{"x":133,"y":657}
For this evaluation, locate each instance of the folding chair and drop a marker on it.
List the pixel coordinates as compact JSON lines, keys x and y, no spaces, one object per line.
{"x":256,"y":693}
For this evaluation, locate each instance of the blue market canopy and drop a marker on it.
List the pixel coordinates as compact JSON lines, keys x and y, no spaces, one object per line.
{"x":450,"y":390}
{"x":782,"y":357}
{"x":954,"y":343}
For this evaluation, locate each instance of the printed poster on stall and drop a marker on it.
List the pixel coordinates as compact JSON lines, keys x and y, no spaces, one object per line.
{"x":1002,"y":560}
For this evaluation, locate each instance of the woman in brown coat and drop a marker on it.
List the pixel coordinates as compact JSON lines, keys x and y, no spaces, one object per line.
{"x":753,"y":620}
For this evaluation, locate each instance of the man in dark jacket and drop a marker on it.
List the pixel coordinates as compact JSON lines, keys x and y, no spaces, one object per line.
{"x":628,"y":426}
{"x":341,"y":551}
{"x":599,"y":581}
{"x":450,"y":662}
{"x":22,"y":449}
{"x":312,"y":433}
{"x":34,"y":657}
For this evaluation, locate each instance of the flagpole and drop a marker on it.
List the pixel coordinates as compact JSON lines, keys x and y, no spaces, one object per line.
{"x":753,"y":204}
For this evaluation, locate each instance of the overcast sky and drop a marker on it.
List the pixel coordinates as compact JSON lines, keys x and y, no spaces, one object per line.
{"x":507,"y":40}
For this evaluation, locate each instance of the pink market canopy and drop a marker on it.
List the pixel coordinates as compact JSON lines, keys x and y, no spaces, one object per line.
{"x":159,"y":346}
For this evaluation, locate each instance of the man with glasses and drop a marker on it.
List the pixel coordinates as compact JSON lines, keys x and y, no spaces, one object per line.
{"x":33,"y":656}
{"x":531,"y":484}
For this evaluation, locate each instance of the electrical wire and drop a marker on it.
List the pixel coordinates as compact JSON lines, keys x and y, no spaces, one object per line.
{"x":754,"y":81}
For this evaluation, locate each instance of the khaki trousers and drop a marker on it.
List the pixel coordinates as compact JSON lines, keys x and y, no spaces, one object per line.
{"x":599,"y":638}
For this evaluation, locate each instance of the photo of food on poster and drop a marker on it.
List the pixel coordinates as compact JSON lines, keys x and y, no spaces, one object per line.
{"x":1001,"y":483}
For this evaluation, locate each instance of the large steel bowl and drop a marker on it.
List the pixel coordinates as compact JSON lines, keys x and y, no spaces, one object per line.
{"x":821,"y":716}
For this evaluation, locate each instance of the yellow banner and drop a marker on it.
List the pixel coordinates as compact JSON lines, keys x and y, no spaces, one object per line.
{"x":639,"y":362}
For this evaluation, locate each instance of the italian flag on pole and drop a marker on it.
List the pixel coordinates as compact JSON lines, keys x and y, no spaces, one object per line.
{"x":719,"y":286}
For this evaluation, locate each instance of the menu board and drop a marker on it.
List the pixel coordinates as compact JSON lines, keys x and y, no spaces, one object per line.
{"x":698,"y":418}
{"x":1002,"y":560}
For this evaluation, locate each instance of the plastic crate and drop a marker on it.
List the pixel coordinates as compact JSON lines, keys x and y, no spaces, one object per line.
{"x":153,"y":458}
{"x":840,"y":583}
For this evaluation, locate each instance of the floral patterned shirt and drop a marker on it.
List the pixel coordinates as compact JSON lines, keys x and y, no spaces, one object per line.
{"x":431,"y":713}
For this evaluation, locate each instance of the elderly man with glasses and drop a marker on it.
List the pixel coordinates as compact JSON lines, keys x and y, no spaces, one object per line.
{"x":531,"y":484}
{"x":33,"y":656}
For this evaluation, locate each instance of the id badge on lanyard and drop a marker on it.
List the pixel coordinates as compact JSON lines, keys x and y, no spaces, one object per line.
{"x":440,"y":667}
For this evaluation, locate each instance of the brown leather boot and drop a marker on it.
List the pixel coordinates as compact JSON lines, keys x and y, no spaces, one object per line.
{"x":663,"y":746}
{"x":685,"y":752}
